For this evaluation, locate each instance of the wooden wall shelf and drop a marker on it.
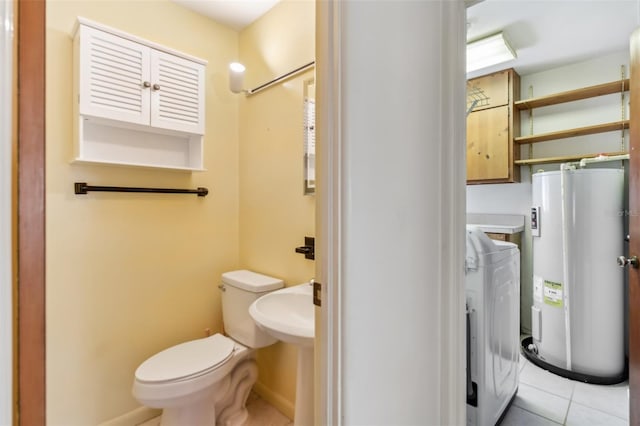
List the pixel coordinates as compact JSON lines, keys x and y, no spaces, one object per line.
{"x":619,"y":86}
{"x":574,"y":95}
{"x":580,"y":131}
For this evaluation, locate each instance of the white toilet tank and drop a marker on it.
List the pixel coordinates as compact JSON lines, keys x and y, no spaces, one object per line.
{"x":239,"y":290}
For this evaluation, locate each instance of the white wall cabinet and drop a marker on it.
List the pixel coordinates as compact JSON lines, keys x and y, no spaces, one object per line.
{"x":136,"y":103}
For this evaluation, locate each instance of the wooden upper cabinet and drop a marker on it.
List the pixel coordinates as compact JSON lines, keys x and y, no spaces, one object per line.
{"x":488,"y":144}
{"x":491,"y":128}
{"x":493,"y":90}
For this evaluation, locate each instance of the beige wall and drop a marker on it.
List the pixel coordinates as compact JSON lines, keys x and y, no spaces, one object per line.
{"x":275,"y":216}
{"x":131,"y":274}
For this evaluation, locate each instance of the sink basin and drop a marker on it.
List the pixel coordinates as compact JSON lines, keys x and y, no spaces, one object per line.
{"x":287,"y":314}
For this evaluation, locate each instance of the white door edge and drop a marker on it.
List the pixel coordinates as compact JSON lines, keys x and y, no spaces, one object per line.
{"x":328,"y":194}
{"x":6,"y":254}
{"x":450,"y":347}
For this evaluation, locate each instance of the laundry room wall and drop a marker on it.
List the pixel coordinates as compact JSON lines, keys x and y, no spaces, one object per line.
{"x":515,"y":198}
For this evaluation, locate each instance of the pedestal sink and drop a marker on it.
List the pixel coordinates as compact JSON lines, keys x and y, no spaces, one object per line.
{"x":288,"y":315}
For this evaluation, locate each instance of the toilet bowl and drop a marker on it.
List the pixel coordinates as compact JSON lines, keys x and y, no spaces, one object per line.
{"x":207,"y":381}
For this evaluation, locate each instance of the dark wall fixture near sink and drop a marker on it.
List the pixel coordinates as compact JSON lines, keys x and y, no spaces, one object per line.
{"x":308,"y":249}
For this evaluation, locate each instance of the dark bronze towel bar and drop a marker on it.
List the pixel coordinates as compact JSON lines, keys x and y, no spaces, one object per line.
{"x":83,"y":188}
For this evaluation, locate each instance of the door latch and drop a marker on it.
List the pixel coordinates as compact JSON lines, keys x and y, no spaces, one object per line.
{"x":633,"y":261}
{"x":317,"y":293}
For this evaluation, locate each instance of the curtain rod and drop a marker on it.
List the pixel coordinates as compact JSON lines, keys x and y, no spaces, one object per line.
{"x":281,"y":78}
{"x":83,"y":188}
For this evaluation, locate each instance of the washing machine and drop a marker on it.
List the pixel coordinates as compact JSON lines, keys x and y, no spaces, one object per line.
{"x":493,"y":326}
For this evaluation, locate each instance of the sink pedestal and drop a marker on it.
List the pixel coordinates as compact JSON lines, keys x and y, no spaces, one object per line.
{"x":288,"y":315}
{"x":304,"y":387}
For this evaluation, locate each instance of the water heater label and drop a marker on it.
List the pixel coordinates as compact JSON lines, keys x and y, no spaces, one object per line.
{"x":538,"y":285}
{"x":535,"y":221}
{"x":553,"y":293}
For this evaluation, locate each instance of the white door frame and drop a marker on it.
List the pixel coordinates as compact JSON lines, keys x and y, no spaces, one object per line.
{"x":446,"y":247}
{"x":327,"y":377}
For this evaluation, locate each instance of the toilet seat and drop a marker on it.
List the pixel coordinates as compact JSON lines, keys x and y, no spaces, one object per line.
{"x":186,"y":360}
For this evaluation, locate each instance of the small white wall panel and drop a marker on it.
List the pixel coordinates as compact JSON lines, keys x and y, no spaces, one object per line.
{"x":112,"y":77}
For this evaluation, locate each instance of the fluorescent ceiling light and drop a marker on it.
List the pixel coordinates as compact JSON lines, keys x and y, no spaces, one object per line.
{"x":488,"y":51}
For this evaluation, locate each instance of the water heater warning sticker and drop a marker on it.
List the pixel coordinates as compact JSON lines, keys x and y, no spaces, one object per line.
{"x":553,"y":293}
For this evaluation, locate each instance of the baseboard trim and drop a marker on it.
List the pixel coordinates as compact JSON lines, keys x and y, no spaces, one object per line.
{"x":280,"y":402}
{"x":134,"y":418}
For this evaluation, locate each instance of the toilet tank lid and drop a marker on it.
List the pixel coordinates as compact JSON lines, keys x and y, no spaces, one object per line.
{"x":251,"y":281}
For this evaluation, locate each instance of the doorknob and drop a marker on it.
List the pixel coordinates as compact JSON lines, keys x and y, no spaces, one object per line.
{"x":633,"y":261}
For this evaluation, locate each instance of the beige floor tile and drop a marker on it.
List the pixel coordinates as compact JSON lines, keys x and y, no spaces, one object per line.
{"x":261,"y":413}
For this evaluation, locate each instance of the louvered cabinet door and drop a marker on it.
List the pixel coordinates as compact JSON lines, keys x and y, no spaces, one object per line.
{"x":113,"y":76}
{"x":177,"y":93}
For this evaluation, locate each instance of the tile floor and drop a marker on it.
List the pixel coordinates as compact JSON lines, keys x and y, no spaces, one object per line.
{"x":544,"y":398}
{"x":261,"y":413}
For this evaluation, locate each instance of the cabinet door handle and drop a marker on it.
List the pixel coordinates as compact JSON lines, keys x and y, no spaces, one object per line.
{"x":156,"y":86}
{"x":146,"y":84}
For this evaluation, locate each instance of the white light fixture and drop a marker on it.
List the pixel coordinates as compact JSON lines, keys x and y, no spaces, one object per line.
{"x":488,"y":51}
{"x":236,"y":77}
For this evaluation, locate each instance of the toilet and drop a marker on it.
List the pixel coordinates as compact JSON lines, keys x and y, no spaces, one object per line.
{"x":207,"y":381}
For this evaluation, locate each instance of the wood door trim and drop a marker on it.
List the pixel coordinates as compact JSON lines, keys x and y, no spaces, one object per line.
{"x":31,"y":212}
